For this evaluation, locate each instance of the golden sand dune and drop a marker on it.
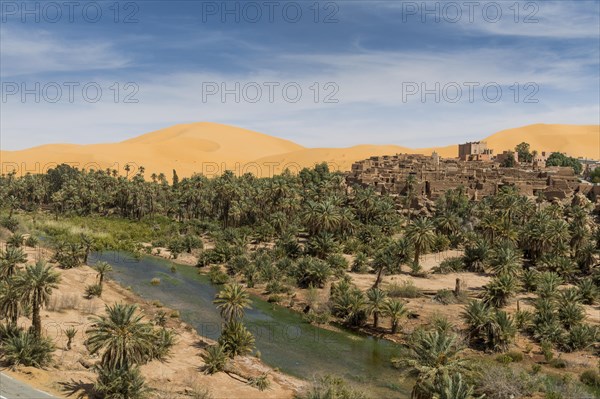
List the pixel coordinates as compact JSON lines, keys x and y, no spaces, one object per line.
{"x":211,"y":148}
{"x":575,"y":140}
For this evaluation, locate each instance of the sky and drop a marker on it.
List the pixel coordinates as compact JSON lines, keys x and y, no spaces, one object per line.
{"x":320,"y":73}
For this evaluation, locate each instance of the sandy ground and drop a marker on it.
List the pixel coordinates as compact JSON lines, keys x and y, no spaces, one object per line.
{"x":179,"y":377}
{"x":212,"y":148}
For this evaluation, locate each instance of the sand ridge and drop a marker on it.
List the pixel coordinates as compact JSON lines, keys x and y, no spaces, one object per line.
{"x":211,"y":148}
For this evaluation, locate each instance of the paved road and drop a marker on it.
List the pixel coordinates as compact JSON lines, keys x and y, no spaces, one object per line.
{"x":13,"y":389}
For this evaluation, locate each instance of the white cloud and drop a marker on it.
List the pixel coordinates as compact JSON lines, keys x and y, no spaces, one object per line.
{"x":39,"y":51}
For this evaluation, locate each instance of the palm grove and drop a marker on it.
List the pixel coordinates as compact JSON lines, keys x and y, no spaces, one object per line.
{"x":548,"y":251}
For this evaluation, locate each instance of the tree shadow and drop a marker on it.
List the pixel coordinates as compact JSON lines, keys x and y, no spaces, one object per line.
{"x":79,"y":389}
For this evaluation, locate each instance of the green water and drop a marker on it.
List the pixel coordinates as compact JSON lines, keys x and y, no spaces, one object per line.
{"x":284,"y":340}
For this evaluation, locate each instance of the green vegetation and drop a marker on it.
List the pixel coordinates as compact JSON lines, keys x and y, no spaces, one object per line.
{"x":291,"y":235}
{"x":558,"y":159}
{"x":124,"y":341}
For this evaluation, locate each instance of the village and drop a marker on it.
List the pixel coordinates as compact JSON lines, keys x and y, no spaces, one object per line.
{"x":476,"y":169}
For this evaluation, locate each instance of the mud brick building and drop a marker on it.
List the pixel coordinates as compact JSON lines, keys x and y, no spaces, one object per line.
{"x":433,"y":176}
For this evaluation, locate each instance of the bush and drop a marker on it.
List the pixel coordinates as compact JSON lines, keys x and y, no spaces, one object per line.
{"x":274,"y":298}
{"x":10,"y":223}
{"x":120,"y":383}
{"x":236,"y":340}
{"x":93,"y":290}
{"x":155,"y":281}
{"x":25,"y":349}
{"x":338,"y":264}
{"x":261,"y":382}
{"x":580,"y":337}
{"x":360,"y":263}
{"x":558,"y":363}
{"x":590,"y":378}
{"x":330,"y":387}
{"x":217,"y":276}
{"x":31,"y":241}
{"x":445,"y":297}
{"x":450,"y":265}
{"x":405,"y":290}
{"x":312,"y":272}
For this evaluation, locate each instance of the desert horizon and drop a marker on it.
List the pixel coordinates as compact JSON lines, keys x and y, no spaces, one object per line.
{"x":211,"y":148}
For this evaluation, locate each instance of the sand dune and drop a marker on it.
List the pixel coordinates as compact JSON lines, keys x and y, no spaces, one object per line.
{"x":211,"y":148}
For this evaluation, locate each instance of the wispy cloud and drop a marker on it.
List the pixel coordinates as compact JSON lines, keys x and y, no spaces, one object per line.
{"x":39,"y":51}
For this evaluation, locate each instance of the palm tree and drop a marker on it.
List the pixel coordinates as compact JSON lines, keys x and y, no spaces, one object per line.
{"x":11,"y":301}
{"x":454,"y":387}
{"x":36,"y":283}
{"x":421,"y":232}
{"x":500,"y":289}
{"x":231,"y":301}
{"x":477,"y":255}
{"x":235,"y":339}
{"x":376,"y":302}
{"x":506,"y":259}
{"x":395,"y":310}
{"x":434,"y":356}
{"x":123,"y":337}
{"x":9,"y":260}
{"x":102,"y":268}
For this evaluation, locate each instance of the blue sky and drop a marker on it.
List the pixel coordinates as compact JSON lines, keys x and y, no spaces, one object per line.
{"x":370,"y":61}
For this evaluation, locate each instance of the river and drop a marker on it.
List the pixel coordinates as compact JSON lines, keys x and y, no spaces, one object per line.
{"x":284,"y":340}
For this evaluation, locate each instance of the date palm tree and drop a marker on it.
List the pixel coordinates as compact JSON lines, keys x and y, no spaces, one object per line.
{"x":10,"y":259}
{"x":376,"y":303}
{"x":11,"y":302}
{"x":102,"y":268}
{"x":421,"y":232}
{"x":122,"y":336}
{"x":231,"y":301}
{"x":395,"y":310}
{"x":434,"y":356}
{"x":500,"y":289}
{"x":36,"y":283}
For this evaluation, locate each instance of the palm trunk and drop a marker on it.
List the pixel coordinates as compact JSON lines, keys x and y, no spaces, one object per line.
{"x":417,"y":254}
{"x":379,"y":276}
{"x":36,"y":320}
{"x":375,"y":319}
{"x":394,"y":326}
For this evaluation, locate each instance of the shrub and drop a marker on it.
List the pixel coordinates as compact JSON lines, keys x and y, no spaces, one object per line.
{"x":405,"y":290}
{"x":580,"y":337}
{"x":588,"y":292}
{"x":8,"y":331}
{"x":155,"y":281}
{"x":120,"y":383}
{"x":312,"y":272}
{"x":329,"y":387}
{"x":31,"y":241}
{"x":501,"y":382}
{"x":558,"y":363}
{"x":16,"y":240}
{"x":25,"y":349}
{"x":590,"y":378}
{"x":445,"y":297}
{"x":338,"y":264}
{"x":70,"y":334}
{"x":236,"y":340}
{"x":217,"y":276}
{"x":450,"y":265}
{"x":261,"y":382}
{"x":274,"y":298}
{"x":93,"y":290}
{"x":10,"y":223}
{"x":360,"y":263}
{"x":515,"y":356}
{"x":215,"y":359}
{"x":416,"y":270}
